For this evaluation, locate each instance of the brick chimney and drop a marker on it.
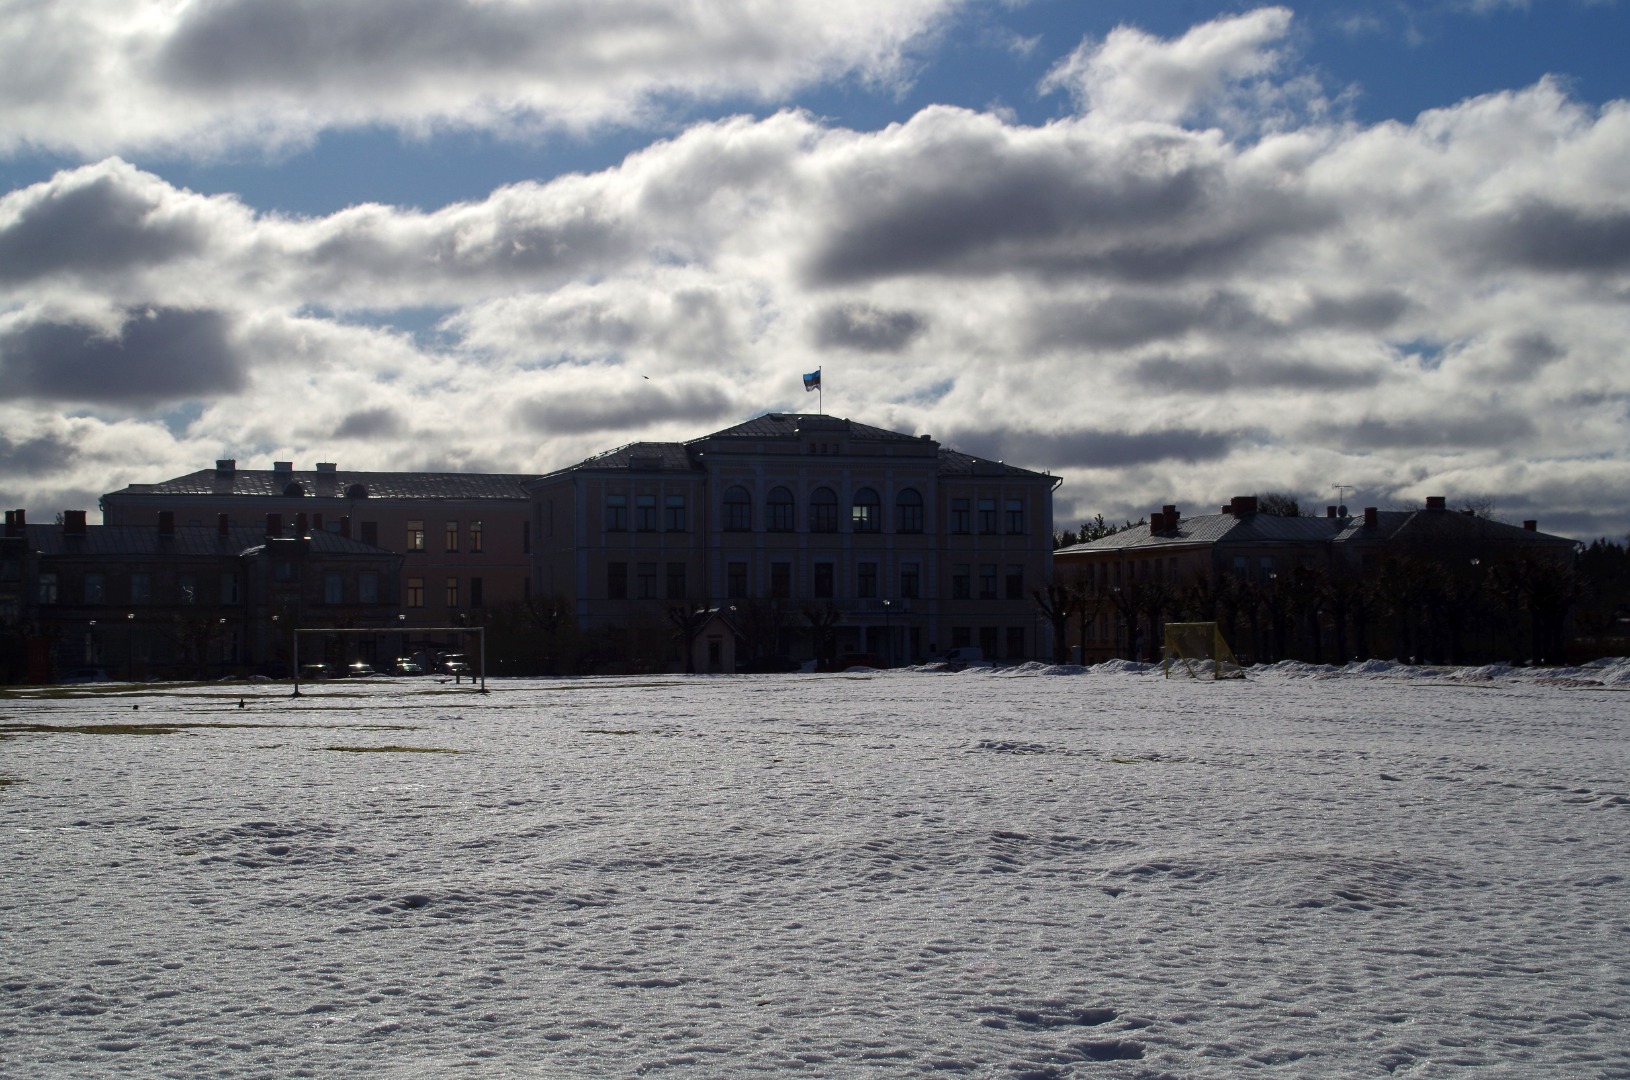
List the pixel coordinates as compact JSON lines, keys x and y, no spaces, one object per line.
{"x":73,"y":523}
{"x":283,"y":468}
{"x":1243,"y":504}
{"x":1330,"y":511}
{"x":1172,"y":516}
{"x":1437,"y":502}
{"x":1372,"y":517}
{"x":166,"y":524}
{"x":226,"y":466}
{"x":1531,"y":525}
{"x":327,"y":467}
{"x":11,"y":523}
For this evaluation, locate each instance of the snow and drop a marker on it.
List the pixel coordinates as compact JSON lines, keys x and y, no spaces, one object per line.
{"x":1024,"y":872}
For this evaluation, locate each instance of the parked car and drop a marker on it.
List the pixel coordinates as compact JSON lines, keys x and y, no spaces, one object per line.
{"x":406,"y":665}
{"x":315,"y":672}
{"x":455,"y":664}
{"x":360,"y":669}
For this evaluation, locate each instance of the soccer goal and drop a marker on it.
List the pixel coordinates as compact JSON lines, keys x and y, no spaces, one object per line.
{"x":1199,"y":649}
{"x":458,"y":668}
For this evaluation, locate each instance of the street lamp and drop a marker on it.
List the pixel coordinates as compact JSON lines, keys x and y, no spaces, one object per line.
{"x":888,"y":632}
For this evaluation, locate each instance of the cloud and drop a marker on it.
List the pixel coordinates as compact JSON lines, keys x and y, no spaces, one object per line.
{"x":370,"y":424}
{"x":1095,"y":449}
{"x":154,"y":356}
{"x":865,"y":328}
{"x":629,"y":407}
{"x":100,"y":76}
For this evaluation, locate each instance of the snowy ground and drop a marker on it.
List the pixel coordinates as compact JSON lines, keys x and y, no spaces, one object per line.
{"x":1037,"y":873}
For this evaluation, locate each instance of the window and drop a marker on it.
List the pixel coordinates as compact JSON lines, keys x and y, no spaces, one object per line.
{"x":960,"y":522}
{"x":738,"y":510}
{"x":1015,"y":581}
{"x":673,"y":513}
{"x":616,"y":581}
{"x":646,"y":580}
{"x":778,"y":510}
{"x":48,"y":589}
{"x":283,"y":570}
{"x":368,"y":587}
{"x":96,"y":588}
{"x":187,"y":588}
{"x":735,"y":583}
{"x":645,"y":513}
{"x":476,"y":599}
{"x":452,"y":592}
{"x":987,"y":641}
{"x":415,"y":534}
{"x":229,"y":589}
{"x":1240,"y":567}
{"x":141,"y":587}
{"x":866,"y":581}
{"x":1015,"y":515}
{"x":415,"y":592}
{"x":987,"y":515}
{"x":1015,"y":643}
{"x":676,"y":581}
{"x":987,"y":581}
{"x":451,"y":535}
{"x":908,"y":511}
{"x":823,"y":511}
{"x":961,"y":582}
{"x":1265,"y":567}
{"x":823,"y":581}
{"x":910,"y":580}
{"x":961,"y":637}
{"x":370,"y":533}
{"x":333,"y":589}
{"x":866,"y":514}
{"x":781,"y":580}
{"x":616,"y":513}
{"x":475,"y":536}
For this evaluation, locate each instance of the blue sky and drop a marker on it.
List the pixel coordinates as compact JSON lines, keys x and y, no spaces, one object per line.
{"x":1171,"y":251}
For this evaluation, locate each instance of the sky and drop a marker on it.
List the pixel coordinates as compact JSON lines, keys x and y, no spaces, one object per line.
{"x":1170,"y":251}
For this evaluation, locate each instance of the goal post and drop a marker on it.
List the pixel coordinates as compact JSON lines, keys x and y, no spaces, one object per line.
{"x":1200,"y":650}
{"x":478,"y":677}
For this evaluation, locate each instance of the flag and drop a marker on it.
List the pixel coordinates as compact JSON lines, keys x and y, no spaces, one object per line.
{"x":812,"y":381}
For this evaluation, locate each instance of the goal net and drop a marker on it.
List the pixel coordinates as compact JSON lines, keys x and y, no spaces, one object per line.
{"x":1198,"y":650}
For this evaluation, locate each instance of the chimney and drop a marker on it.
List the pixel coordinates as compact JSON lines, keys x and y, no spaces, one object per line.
{"x":1437,"y":502}
{"x":1330,"y":511}
{"x":282,"y":468}
{"x":1372,"y":517}
{"x":1243,"y":504}
{"x":1172,"y":516}
{"x":1531,"y":525}
{"x":73,"y":523}
{"x":1228,"y":508}
{"x":22,"y":522}
{"x":223,"y":526}
{"x":327,"y":467}
{"x":166,"y":523}
{"x":11,"y":523}
{"x":274,"y":524}
{"x":345,"y":526}
{"x":1157,"y":522}
{"x":226,"y":466}
{"x":300,"y":527}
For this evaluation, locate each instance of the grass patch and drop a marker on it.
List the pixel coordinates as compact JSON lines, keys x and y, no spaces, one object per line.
{"x":7,"y":781}
{"x":393,"y":750}
{"x":609,"y":731}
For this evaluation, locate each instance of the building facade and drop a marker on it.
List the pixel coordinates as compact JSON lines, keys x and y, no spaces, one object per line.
{"x":189,"y":602}
{"x":1428,"y":583}
{"x":813,"y":534}
{"x":464,"y":538}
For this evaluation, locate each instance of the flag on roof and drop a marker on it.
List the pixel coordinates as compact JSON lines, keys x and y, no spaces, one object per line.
{"x":812,"y":381}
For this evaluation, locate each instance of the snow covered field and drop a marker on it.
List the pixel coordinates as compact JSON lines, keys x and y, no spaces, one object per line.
{"x":1036,"y":873}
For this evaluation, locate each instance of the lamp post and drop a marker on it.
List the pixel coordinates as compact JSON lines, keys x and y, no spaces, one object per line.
{"x":888,"y":632}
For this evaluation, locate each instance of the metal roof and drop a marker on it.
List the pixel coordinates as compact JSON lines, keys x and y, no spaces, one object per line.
{"x":1425,"y":526}
{"x":335,"y":485}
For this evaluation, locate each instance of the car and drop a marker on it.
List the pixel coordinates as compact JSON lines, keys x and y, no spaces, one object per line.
{"x":406,"y":665}
{"x":360,"y":669}
{"x":455,"y":665}
{"x":315,"y":672}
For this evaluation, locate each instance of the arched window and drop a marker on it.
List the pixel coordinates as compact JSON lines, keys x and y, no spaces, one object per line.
{"x":823,"y":510}
{"x":867,"y":513}
{"x":357,"y":491}
{"x":738,"y":510}
{"x":908,"y":511}
{"x":778,"y":510}
{"x":294,"y":490}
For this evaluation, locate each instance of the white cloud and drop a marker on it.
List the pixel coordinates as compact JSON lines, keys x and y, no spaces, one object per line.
{"x":204,"y":76}
{"x":1158,"y":312}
